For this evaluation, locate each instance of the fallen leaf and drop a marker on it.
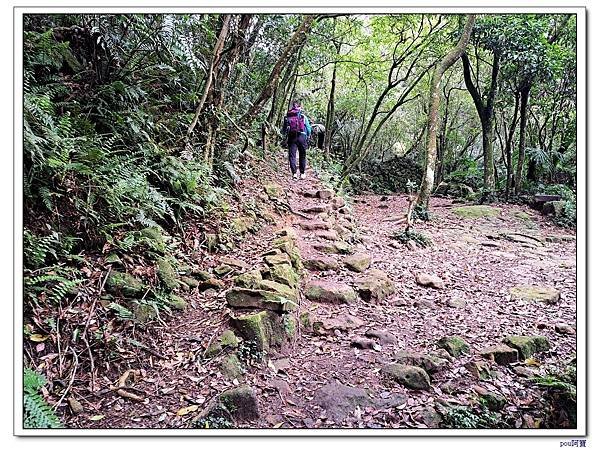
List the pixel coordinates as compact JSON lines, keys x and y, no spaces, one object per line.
{"x":38,"y":337}
{"x":98,"y":417}
{"x":187,"y":410}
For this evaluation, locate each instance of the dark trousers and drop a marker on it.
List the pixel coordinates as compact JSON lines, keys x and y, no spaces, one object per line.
{"x":297,"y":144}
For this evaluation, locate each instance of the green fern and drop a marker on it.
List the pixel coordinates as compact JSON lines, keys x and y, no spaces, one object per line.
{"x":37,"y":413}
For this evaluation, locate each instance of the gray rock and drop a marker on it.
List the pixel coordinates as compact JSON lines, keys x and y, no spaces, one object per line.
{"x":501,"y":354}
{"x":321,"y":263}
{"x":429,"y":363}
{"x":528,"y":345}
{"x":359,"y":262}
{"x":410,"y":376}
{"x":455,"y":345}
{"x":329,"y":292}
{"x":375,"y":285}
{"x":384,"y":337}
{"x":427,"y":280}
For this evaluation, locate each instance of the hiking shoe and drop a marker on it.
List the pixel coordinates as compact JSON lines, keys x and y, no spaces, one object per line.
{"x":295,"y":176}
{"x":302,"y":176}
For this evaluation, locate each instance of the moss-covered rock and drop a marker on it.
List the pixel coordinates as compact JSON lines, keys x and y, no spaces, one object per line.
{"x":223,"y":269}
{"x":494,"y":402}
{"x":329,"y":292}
{"x":241,"y":402}
{"x":155,"y":238}
{"x":455,"y":345}
{"x":190,"y":282}
{"x":284,"y":274}
{"x":410,"y":376}
{"x":260,"y":299}
{"x":280,"y":258}
{"x":123,"y":283}
{"x":429,"y":363}
{"x":250,"y":280}
{"x":338,"y":247}
{"x":536,"y":293}
{"x":375,"y":285}
{"x":254,"y":328}
{"x":476,"y":211}
{"x":288,"y":245}
{"x":241,"y":225}
{"x":229,"y":339}
{"x":528,"y":345}
{"x":177,"y":302}
{"x":231,"y":367}
{"x":359,"y":262}
{"x":143,"y":312}
{"x":290,"y":325}
{"x":166,"y":274}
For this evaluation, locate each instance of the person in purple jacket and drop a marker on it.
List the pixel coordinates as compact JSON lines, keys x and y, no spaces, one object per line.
{"x":297,"y":129}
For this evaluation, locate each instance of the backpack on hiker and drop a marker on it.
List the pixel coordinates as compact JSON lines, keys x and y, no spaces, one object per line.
{"x":295,"y":121}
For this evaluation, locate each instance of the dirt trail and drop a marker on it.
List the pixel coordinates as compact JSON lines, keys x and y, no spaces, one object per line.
{"x":324,"y":379}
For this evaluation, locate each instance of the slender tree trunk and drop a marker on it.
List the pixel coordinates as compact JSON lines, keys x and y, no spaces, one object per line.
{"x":331,"y":106}
{"x":509,"y":139}
{"x":434,"y":103}
{"x":485,"y":111}
{"x":211,"y":72}
{"x":522,"y":135}
{"x":273,"y":78}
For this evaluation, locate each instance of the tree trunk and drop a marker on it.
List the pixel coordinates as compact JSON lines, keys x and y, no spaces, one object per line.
{"x":434,"y":103}
{"x":211,"y":72}
{"x":522,"y":135}
{"x":331,"y":106}
{"x":509,"y":138}
{"x":273,"y":78}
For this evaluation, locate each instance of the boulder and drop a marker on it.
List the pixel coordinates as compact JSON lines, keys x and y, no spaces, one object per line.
{"x":321,"y":263}
{"x":359,"y":262}
{"x":430,"y":364}
{"x":375,"y":285}
{"x":190,"y":282}
{"x":494,"y":402}
{"x":455,"y":345}
{"x":288,"y":245}
{"x":501,"y":354}
{"x":234,"y":262}
{"x":343,"y":322}
{"x":125,"y":284}
{"x":479,"y":369}
{"x":284,"y":274}
{"x":329,"y":292}
{"x":155,"y":238}
{"x":365,"y":343}
{"x":260,"y":299}
{"x":428,"y":416}
{"x":527,"y":345}
{"x":241,"y":225}
{"x":250,"y":280}
{"x":453,"y":190}
{"x":339,"y":400}
{"x":315,"y":209}
{"x":325,"y":194}
{"x":330,"y":235}
{"x":211,"y":283}
{"x":410,"y":376}
{"x":166,"y":274}
{"x":427,"y":280}
{"x":535,"y":293}
{"x":554,"y":208}
{"x":222,"y":270}
{"x":262,"y":330}
{"x":231,"y":367}
{"x":241,"y":402}
{"x":143,"y":312}
{"x":563,"y":328}
{"x":338,"y":247}
{"x":312,"y":226}
{"x":279,"y":258}
{"x":384,"y":337}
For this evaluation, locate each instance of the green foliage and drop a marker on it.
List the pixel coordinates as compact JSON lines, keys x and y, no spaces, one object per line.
{"x":469,"y":417}
{"x":37,"y":413}
{"x":53,"y":284}
{"x":561,"y":391}
{"x":418,"y":238}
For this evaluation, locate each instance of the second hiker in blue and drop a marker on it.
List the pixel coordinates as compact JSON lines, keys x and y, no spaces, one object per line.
{"x":297,"y":129}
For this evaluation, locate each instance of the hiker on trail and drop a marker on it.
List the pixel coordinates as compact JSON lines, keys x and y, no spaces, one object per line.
{"x":297,"y":129}
{"x":318,"y":130}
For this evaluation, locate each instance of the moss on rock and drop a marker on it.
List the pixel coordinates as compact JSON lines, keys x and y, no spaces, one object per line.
{"x":476,"y":211}
{"x":528,"y":345}
{"x":166,"y":274}
{"x":455,"y":345}
{"x":123,"y":283}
